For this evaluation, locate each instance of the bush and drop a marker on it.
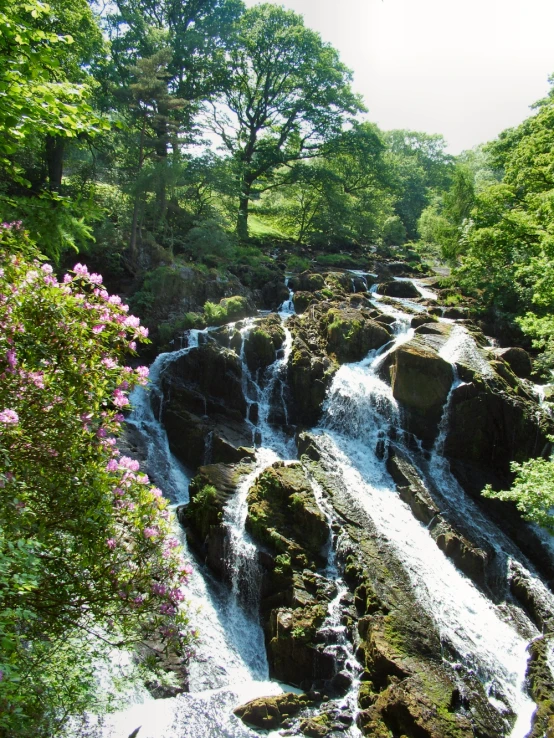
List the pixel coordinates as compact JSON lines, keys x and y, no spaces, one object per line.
{"x":297,"y":264}
{"x":229,"y":307}
{"x":87,"y":562}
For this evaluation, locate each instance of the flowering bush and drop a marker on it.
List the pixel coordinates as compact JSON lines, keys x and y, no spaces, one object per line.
{"x":87,"y":560}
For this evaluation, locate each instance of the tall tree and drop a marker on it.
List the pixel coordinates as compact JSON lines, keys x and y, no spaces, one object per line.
{"x":288,"y":94}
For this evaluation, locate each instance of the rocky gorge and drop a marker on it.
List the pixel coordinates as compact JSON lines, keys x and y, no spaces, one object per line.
{"x":326,"y":462}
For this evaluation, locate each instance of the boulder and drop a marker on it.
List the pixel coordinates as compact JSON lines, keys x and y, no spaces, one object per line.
{"x":398,"y":288}
{"x":270,"y":712}
{"x":350,"y":336}
{"x":284,"y":515}
{"x":423,"y":319}
{"x":517,"y":359}
{"x":274,"y":293}
{"x":420,"y":381}
{"x":309,"y":376}
{"x":302,"y":300}
{"x":307,"y":282}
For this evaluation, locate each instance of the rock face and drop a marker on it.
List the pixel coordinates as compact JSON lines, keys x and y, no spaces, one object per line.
{"x":263,"y":341}
{"x":204,"y":406}
{"x":310,"y":373}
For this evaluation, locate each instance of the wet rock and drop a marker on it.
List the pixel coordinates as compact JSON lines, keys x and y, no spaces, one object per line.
{"x":398,"y":288}
{"x":271,"y":712}
{"x":307,"y":282}
{"x":423,"y":319}
{"x":341,"y":682}
{"x":411,"y":488}
{"x":490,"y":426}
{"x":350,"y":336}
{"x":541,"y":682}
{"x":314,"y":728}
{"x":274,"y":293}
{"x":293,"y":656}
{"x":282,"y":511}
{"x":420,"y":381}
{"x":310,"y":375}
{"x":263,"y":341}
{"x":455,"y":313}
{"x":517,"y":359}
{"x":302,"y":300}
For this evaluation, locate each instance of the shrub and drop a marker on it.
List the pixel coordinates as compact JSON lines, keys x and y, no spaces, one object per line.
{"x":87,"y":562}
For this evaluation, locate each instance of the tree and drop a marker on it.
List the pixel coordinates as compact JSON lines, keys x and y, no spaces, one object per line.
{"x":288,"y":94}
{"x":418,"y":164}
{"x":87,"y":560}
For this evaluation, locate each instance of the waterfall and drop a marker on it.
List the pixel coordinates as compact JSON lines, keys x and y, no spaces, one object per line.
{"x":360,"y":416}
{"x":361,"y":420}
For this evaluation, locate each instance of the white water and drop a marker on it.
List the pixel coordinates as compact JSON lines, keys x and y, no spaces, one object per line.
{"x":359,"y":412}
{"x":230,"y":667}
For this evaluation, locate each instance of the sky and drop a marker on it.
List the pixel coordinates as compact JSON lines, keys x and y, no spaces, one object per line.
{"x":467,"y":70}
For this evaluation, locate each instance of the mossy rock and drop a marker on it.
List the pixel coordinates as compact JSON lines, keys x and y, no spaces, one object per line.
{"x":270,"y":712}
{"x":283,"y":513}
{"x":398,"y":288}
{"x":350,"y":336}
{"x":302,"y":300}
{"x":259,"y":349}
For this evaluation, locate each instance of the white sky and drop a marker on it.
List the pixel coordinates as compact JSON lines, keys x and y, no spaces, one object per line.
{"x":467,"y":68}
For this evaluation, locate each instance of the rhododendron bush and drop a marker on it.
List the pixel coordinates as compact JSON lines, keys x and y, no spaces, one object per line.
{"x":87,"y":559}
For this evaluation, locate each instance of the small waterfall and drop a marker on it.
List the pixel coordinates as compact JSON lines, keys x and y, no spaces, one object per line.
{"x":287,"y":307}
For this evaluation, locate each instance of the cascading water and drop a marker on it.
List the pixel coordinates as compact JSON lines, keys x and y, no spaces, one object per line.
{"x":360,"y":416}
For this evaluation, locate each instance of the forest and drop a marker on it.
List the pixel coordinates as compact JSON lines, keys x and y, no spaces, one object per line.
{"x":169,"y":169}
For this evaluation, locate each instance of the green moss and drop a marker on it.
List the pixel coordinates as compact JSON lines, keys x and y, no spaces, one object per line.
{"x":229,"y":308}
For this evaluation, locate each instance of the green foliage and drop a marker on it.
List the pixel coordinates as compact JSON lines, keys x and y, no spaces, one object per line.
{"x":228,"y":308}
{"x":207,"y":242}
{"x":344,"y":261}
{"x":288,"y":93}
{"x":532,"y":491}
{"x":87,"y":562}
{"x":297,"y":263}
{"x":394,"y":231}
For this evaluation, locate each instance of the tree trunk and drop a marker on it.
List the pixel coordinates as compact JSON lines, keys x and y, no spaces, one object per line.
{"x":242,"y":216}
{"x":54,"y":160}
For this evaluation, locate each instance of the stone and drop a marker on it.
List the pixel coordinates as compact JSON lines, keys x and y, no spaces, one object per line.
{"x":398,"y":288}
{"x":423,"y":319}
{"x":350,"y":336}
{"x":517,"y":359}
{"x":420,"y":381}
{"x":341,"y":682}
{"x":302,"y":300}
{"x":271,"y":712}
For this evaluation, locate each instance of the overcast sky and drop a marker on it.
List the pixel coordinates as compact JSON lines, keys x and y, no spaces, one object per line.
{"x":465,"y":69}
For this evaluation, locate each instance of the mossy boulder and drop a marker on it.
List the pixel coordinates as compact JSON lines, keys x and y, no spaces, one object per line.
{"x":294,"y":656}
{"x":259,"y":350}
{"x":423,"y":319}
{"x":269,"y":712}
{"x":350,"y":335}
{"x":307,"y":282}
{"x":302,"y":300}
{"x":309,"y":375}
{"x":398,"y":288}
{"x":420,"y":381}
{"x":517,"y":359}
{"x":283,"y":513}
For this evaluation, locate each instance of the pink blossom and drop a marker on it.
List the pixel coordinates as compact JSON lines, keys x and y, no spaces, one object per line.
{"x":95,"y":278}
{"x":80,"y":270}
{"x":101,"y":432}
{"x":125,"y":462}
{"x":131,"y":322}
{"x":156,"y":492}
{"x":150,"y":532}
{"x":142,"y":331}
{"x":133,"y":346}
{"x":142,"y":479}
{"x":111,"y":543}
{"x":9,"y":417}
{"x":47,"y":269}
{"x":176,"y":595}
{"x":104,"y":295}
{"x":115,"y":300}
{"x":172,"y":542}
{"x":119,"y":418}
{"x":98,"y":328}
{"x":159,"y":589}
{"x":109,"y":363}
{"x":112,"y":465}
{"x":119,"y":399}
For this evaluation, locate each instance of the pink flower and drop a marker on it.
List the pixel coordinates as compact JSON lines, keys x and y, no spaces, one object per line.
{"x":115,"y":300}
{"x":109,"y":363}
{"x":159,"y":589}
{"x":119,"y":399}
{"x":125,"y":462}
{"x":150,"y":532}
{"x":142,"y":479}
{"x":111,"y":543}
{"x":9,"y":417}
{"x":95,"y":279}
{"x":98,"y":328}
{"x":142,"y":331}
{"x":80,"y":270}
{"x":156,"y":492}
{"x":131,"y":322}
{"x":112,"y":465}
{"x":47,"y":269}
{"x":133,"y":346}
